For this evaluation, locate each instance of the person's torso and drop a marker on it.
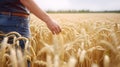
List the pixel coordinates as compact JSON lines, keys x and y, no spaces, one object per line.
{"x":12,"y":6}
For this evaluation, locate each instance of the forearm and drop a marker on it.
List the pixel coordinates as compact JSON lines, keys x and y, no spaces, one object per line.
{"x":32,"y":6}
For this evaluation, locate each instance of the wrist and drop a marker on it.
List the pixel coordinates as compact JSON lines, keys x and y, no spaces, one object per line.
{"x":48,"y":20}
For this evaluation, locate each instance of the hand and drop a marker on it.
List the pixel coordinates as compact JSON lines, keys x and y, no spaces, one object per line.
{"x":54,"y":27}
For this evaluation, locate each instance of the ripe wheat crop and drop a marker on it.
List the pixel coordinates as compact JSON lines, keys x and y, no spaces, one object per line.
{"x":86,"y":40}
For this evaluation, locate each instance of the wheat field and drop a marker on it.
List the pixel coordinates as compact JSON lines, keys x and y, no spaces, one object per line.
{"x":86,"y":40}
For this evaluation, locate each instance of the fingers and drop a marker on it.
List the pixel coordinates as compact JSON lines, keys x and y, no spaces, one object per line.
{"x":54,"y":27}
{"x":56,"y":30}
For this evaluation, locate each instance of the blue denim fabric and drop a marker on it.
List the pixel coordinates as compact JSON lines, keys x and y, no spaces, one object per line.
{"x":18,"y":24}
{"x":10,"y":23}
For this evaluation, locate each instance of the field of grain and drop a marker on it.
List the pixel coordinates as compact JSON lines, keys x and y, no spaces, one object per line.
{"x":86,"y":40}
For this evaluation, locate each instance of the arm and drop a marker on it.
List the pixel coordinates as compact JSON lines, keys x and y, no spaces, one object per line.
{"x":52,"y":25}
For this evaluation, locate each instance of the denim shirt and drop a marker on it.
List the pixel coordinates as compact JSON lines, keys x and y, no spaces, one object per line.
{"x":12,"y":6}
